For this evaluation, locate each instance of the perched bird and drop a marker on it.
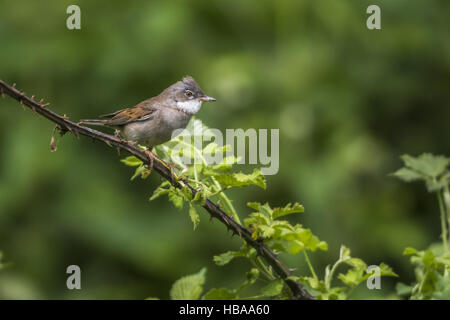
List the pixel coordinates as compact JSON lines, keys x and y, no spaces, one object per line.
{"x":152,"y":121}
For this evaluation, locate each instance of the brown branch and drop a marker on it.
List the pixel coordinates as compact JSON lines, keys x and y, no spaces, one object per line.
{"x":64,"y":125}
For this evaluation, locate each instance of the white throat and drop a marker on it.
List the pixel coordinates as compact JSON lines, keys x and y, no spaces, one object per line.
{"x":190,"y":106}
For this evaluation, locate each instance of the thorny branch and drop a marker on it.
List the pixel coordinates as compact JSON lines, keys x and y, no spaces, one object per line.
{"x":64,"y":125}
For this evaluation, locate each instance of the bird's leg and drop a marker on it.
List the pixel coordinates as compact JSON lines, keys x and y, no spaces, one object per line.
{"x":169,"y":166}
{"x":151,"y":157}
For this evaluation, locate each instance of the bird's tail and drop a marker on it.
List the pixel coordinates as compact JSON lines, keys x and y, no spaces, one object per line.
{"x":93,"y":122}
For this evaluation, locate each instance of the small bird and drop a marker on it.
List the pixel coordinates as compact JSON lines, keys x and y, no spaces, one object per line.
{"x":153,"y":121}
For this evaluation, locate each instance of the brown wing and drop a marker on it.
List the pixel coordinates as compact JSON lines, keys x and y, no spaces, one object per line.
{"x":128,"y":115}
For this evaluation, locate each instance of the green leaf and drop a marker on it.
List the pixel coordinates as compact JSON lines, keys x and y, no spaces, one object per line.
{"x":409,"y":251}
{"x":427,"y":167}
{"x":195,"y":218}
{"x":428,"y":258}
{"x":200,"y":197}
{"x":252,"y":275}
{"x":226,"y":164}
{"x":344,"y":253}
{"x":274,"y":288}
{"x":210,"y":148}
{"x":427,"y":164}
{"x":387,"y":271}
{"x":186,"y":193}
{"x":226,"y":257}
{"x":407,"y":175}
{"x":175,"y":199}
{"x":403,"y":289}
{"x":240,"y":179}
{"x":288,"y":209}
{"x":189,"y":287}
{"x":254,"y":205}
{"x":131,"y":161}
{"x":265,"y":231}
{"x":314,"y":283}
{"x":138,"y":172}
{"x":295,"y":246}
{"x":220,"y":294}
{"x":353,"y":277}
{"x":356,"y":263}
{"x":160,"y":191}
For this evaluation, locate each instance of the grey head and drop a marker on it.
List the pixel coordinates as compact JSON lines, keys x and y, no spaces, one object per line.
{"x":187,"y":95}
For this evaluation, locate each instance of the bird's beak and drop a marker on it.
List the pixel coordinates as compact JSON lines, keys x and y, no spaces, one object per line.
{"x":206,"y":99}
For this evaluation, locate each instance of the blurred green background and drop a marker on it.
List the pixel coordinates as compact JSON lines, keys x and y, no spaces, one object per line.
{"x":348,"y":102}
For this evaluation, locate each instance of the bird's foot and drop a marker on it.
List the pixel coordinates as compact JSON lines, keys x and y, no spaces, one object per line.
{"x":170,"y":166}
{"x":151,"y":157}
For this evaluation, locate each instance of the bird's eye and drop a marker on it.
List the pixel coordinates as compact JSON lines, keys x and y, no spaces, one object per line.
{"x":189,"y":93}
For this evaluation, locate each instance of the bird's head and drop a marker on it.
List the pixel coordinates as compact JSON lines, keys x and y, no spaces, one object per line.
{"x":188,"y":95}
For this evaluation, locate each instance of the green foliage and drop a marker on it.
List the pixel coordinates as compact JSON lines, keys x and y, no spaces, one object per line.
{"x":357,"y":272}
{"x":346,"y":99}
{"x":280,"y":234}
{"x":265,"y":223}
{"x":432,"y":269}
{"x":432,"y":266}
{"x":427,"y":167}
{"x":210,"y":180}
{"x":189,"y":287}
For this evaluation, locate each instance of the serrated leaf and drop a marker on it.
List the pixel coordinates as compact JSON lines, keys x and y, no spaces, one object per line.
{"x":175,"y":199}
{"x":288,"y":209}
{"x":409,"y":251}
{"x":254,"y":205}
{"x":189,"y":287}
{"x":186,"y":193}
{"x":294,"y":246}
{"x":356,"y":263}
{"x":407,"y":175}
{"x":403,"y":289}
{"x":274,"y":288}
{"x":199,"y":198}
{"x":427,"y":164}
{"x":138,"y":172}
{"x":266,"y":231}
{"x":195,"y":218}
{"x":160,"y":191}
{"x":264,"y":210}
{"x":352,"y":278}
{"x":240,"y":179}
{"x":387,"y":271}
{"x":131,"y":161}
{"x":220,"y":294}
{"x":226,"y":164}
{"x":314,"y":283}
{"x":226,"y":257}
